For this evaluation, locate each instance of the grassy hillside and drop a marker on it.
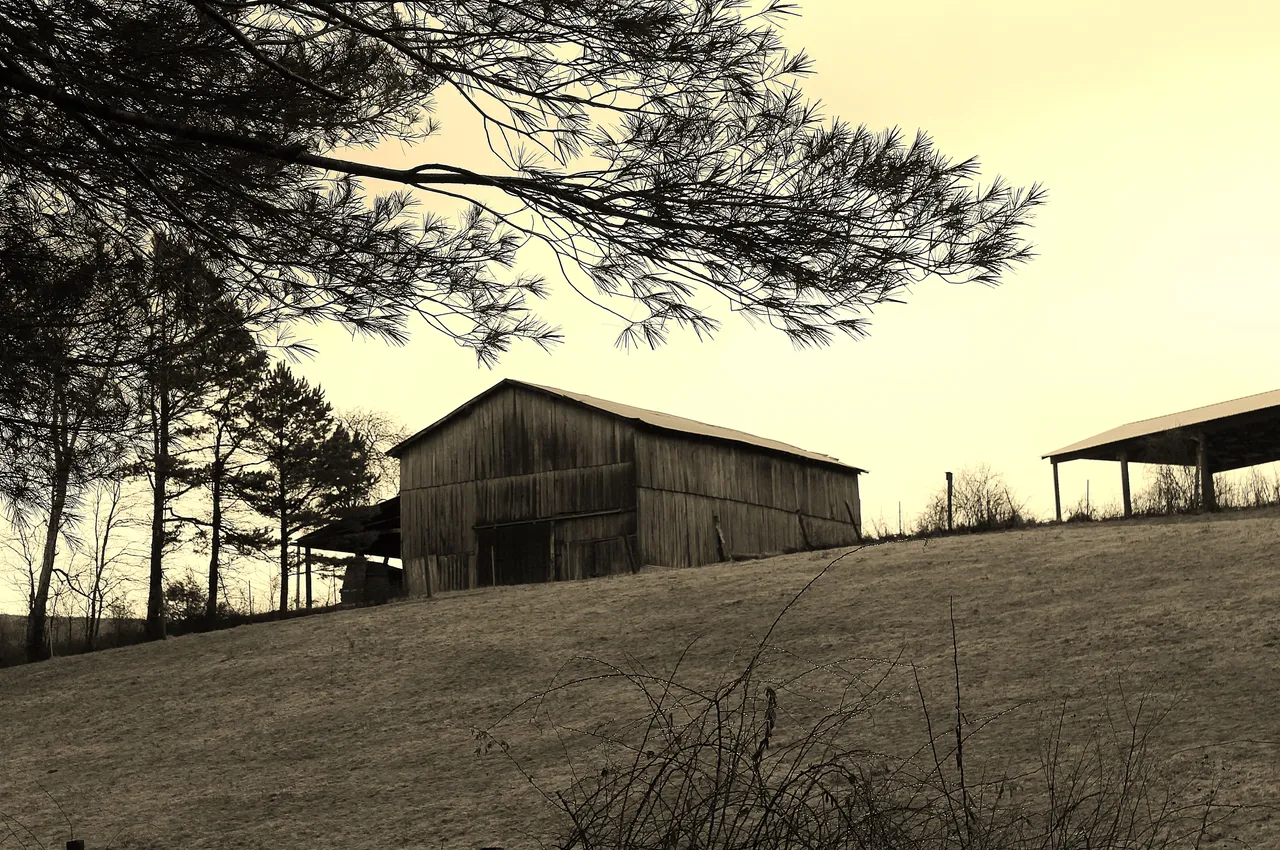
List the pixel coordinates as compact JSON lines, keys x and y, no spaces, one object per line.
{"x":354,"y":729}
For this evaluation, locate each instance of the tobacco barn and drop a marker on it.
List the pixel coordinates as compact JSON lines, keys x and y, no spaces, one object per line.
{"x":525,"y":483}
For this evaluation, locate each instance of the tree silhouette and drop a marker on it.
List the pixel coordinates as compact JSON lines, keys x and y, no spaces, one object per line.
{"x":309,"y":464}
{"x":64,"y":415}
{"x":192,"y":341}
{"x":658,"y":147}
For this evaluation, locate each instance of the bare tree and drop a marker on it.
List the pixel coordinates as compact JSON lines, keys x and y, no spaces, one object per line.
{"x":66,"y":410}
{"x":657,"y":147}
{"x":379,"y":431}
{"x":101,"y":572}
{"x":22,"y":545}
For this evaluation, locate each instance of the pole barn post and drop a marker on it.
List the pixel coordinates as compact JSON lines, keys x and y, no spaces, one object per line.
{"x":1124,"y":483}
{"x":1057,"y":494}
{"x":1208,"y":498}
{"x":308,"y":561}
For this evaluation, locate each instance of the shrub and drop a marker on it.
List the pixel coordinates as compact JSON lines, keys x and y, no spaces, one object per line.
{"x":184,"y":604}
{"x":724,"y":768}
{"x":981,"y":501}
{"x":1172,"y":489}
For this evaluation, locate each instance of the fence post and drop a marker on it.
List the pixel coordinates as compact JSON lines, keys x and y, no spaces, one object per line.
{"x":949,"y":490}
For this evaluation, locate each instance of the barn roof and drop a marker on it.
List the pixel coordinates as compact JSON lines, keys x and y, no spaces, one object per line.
{"x":368,"y":530}
{"x":651,"y":418}
{"x":1243,"y":431}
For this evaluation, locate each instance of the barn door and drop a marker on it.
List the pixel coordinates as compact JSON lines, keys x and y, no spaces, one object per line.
{"x":514,"y":554}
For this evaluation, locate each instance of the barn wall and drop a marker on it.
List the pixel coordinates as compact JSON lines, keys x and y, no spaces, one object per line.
{"x":765,"y":503}
{"x":596,"y":546}
{"x":517,"y":456}
{"x":515,"y":432}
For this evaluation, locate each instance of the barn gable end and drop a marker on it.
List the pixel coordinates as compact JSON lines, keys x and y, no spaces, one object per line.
{"x":510,"y":472}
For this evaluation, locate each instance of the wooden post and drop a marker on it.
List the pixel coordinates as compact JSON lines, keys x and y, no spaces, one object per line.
{"x":1204,"y":474}
{"x":722,"y":549}
{"x":1124,"y":483}
{"x":1057,"y":494}
{"x":308,"y":562}
{"x":551,"y":563}
{"x":949,"y":491}
{"x":631,"y":553}
{"x":857,"y":526}
{"x":493,"y":560}
{"x":804,"y":532}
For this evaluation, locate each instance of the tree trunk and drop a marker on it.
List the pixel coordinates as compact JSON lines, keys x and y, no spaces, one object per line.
{"x":284,"y":562}
{"x":155,"y":597}
{"x":215,"y":540}
{"x":37,"y":641}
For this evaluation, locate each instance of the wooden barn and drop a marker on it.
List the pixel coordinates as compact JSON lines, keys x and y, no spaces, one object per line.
{"x":525,"y":483}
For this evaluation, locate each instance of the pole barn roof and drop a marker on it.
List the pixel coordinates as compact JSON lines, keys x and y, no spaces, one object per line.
{"x":651,"y":418}
{"x":1243,"y":432}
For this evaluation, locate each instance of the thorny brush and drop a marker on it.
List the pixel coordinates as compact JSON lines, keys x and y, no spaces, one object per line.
{"x":719,"y":768}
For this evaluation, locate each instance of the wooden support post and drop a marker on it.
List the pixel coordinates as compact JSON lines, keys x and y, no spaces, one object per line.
{"x":1124,"y":484}
{"x":722,"y":548}
{"x":1204,"y":475}
{"x":804,"y":532}
{"x":857,"y":526}
{"x":631,"y":553}
{"x":493,"y":562}
{"x":551,"y":558}
{"x":308,"y":563}
{"x":950,"y":489}
{"x":1057,"y":494}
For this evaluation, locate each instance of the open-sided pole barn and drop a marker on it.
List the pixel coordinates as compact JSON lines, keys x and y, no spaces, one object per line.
{"x":525,"y":483}
{"x":1216,"y":438}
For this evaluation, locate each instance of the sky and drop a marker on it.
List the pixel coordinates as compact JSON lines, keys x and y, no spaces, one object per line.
{"x":1153,"y":127}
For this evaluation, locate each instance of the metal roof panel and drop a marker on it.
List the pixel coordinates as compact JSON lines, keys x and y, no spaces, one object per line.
{"x":1183,"y":419}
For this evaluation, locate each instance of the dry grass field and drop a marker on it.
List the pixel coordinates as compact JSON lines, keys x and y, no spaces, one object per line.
{"x":354,"y":729}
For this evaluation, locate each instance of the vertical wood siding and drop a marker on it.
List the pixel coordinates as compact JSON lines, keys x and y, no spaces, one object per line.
{"x":516,"y":456}
{"x":765,"y":503}
{"x":515,"y":432}
{"x":521,"y":456}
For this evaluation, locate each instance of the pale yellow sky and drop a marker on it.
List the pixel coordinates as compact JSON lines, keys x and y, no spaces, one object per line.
{"x":1153,"y":126}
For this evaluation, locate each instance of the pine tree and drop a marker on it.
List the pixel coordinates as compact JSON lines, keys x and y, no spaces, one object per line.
{"x":225,"y":432}
{"x":662,"y":149}
{"x":309,"y":464}
{"x":192,"y":337}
